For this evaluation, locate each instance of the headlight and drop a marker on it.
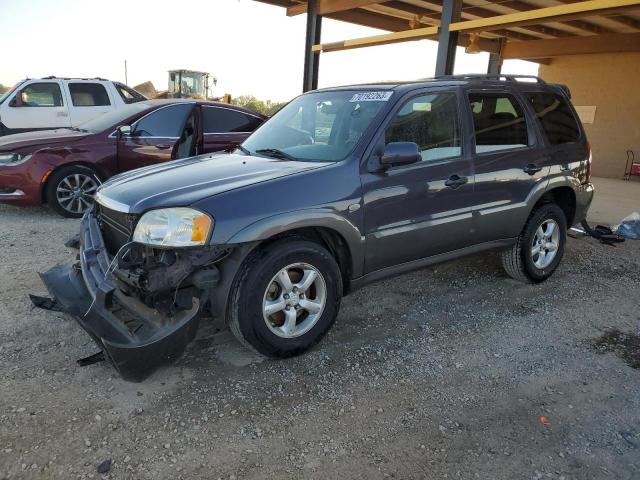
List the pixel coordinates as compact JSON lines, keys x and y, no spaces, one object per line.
{"x":173,"y":227}
{"x":13,"y":158}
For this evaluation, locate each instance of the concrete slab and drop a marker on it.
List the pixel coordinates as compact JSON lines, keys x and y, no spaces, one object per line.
{"x":613,"y":200}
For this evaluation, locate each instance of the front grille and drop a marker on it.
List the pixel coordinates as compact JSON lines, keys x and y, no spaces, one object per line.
{"x":117,"y":227}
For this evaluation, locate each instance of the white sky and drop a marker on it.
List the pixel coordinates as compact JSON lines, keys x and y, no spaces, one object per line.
{"x":252,"y":48}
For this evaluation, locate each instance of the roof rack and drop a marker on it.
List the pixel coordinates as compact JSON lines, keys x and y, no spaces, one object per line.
{"x":53,"y":77}
{"x":489,"y":76}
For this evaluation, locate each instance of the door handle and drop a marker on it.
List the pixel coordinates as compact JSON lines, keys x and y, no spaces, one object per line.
{"x":532,"y":169}
{"x":62,"y":114}
{"x":455,"y":181}
{"x":164,"y":146}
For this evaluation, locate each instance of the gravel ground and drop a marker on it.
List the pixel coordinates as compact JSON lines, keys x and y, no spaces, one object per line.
{"x":454,"y":371}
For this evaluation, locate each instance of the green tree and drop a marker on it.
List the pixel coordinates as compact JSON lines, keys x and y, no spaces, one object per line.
{"x":266,"y":107}
{"x":3,"y":89}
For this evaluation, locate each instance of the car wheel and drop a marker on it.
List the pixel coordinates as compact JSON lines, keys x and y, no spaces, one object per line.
{"x":285,"y":297}
{"x":70,"y":190}
{"x":540,"y":247}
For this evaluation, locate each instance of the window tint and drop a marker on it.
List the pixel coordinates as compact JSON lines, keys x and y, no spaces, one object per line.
{"x":88,"y":95}
{"x":556,"y":117}
{"x":431,"y":121}
{"x":166,"y":122}
{"x":42,"y":95}
{"x":498,"y":121}
{"x":128,"y":95}
{"x":223,"y":120}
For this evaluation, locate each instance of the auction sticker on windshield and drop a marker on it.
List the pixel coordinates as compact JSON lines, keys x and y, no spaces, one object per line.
{"x":371,"y":97}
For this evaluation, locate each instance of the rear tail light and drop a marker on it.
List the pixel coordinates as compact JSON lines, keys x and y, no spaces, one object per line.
{"x":589,"y":162}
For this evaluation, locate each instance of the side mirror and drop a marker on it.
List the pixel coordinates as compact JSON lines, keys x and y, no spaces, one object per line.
{"x":124,"y":130}
{"x":400,"y":153}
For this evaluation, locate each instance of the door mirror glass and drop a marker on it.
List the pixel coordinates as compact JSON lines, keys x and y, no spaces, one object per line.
{"x":124,"y":130}
{"x":400,"y":153}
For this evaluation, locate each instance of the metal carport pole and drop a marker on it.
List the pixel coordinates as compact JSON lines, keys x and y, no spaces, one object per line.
{"x":447,"y":40}
{"x":495,"y":61}
{"x":313,"y":37}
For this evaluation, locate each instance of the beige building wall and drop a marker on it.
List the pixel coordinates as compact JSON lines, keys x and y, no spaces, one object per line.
{"x":611,"y":83}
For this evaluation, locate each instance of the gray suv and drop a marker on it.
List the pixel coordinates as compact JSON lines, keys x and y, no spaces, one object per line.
{"x":340,"y":188}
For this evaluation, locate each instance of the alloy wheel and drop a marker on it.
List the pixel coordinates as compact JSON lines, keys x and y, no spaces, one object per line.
{"x":294,"y":300}
{"x":545,"y":244}
{"x":75,"y":192}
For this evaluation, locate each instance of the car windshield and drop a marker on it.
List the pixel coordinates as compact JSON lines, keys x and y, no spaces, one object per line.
{"x":113,"y":118}
{"x":319,"y":126}
{"x":6,"y":94}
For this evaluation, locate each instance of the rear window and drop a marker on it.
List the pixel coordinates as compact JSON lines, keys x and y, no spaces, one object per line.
{"x":499,"y":122}
{"x":128,"y":95}
{"x":555,"y":115}
{"x":88,"y":95}
{"x":225,"y":120}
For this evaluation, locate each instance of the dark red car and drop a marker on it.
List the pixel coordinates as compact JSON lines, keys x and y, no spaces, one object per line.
{"x":64,"y":167}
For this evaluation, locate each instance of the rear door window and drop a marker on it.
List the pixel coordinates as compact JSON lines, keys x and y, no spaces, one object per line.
{"x":557,"y":120}
{"x":431,"y":121}
{"x":225,"y":120}
{"x":88,"y":95}
{"x":45,"y":94}
{"x":128,"y":95}
{"x":166,"y":122}
{"x":499,"y":122}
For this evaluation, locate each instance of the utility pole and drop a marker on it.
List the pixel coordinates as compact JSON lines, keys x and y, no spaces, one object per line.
{"x":126,"y":80}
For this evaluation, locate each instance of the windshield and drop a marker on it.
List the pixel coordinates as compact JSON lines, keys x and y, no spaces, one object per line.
{"x":6,"y":94}
{"x":113,"y":118}
{"x":320,"y":126}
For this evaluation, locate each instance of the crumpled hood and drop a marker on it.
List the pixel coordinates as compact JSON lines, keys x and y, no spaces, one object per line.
{"x":40,"y":138}
{"x":183,"y":182}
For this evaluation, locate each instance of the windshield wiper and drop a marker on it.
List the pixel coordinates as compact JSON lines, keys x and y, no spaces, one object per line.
{"x":76,"y":129}
{"x":243,"y":149}
{"x":276,"y":153}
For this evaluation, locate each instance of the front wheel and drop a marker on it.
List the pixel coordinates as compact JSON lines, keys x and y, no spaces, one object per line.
{"x":285,"y":298}
{"x":70,"y":190}
{"x":540,"y":247}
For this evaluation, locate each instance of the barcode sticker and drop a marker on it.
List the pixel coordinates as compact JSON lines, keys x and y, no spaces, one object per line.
{"x":371,"y":97}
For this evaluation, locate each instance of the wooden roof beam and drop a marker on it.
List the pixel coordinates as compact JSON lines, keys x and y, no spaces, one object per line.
{"x":579,"y":24}
{"x":621,"y":19}
{"x":556,"y":13}
{"x":331,"y":6}
{"x":429,"y":33}
{"x":611,"y":43}
{"x":477,"y":12}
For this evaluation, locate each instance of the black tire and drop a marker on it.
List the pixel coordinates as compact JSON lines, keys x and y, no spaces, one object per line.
{"x":518,"y":260}
{"x":57,"y":180}
{"x":245,"y":312}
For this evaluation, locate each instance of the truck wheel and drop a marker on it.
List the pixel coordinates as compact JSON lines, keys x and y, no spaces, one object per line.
{"x":540,"y":246}
{"x":285,"y":298}
{"x":70,"y":190}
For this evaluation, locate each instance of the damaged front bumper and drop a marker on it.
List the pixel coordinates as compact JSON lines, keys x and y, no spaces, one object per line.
{"x":135,"y":337}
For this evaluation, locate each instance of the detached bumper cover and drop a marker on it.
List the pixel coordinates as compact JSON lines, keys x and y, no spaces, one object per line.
{"x":135,"y":338}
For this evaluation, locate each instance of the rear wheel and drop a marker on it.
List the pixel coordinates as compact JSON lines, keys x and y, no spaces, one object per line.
{"x":540,"y":247}
{"x":70,"y":190}
{"x":286,"y":297}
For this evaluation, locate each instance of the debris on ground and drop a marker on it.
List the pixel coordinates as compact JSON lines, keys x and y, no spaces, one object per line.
{"x":629,"y":227}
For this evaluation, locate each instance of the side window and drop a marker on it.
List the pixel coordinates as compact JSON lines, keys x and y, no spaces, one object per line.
{"x":556,"y":117}
{"x":128,"y":95}
{"x":224,"y":120}
{"x":166,"y":122}
{"x":46,"y":94}
{"x":431,"y":121}
{"x":88,"y":95}
{"x":498,"y":121}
